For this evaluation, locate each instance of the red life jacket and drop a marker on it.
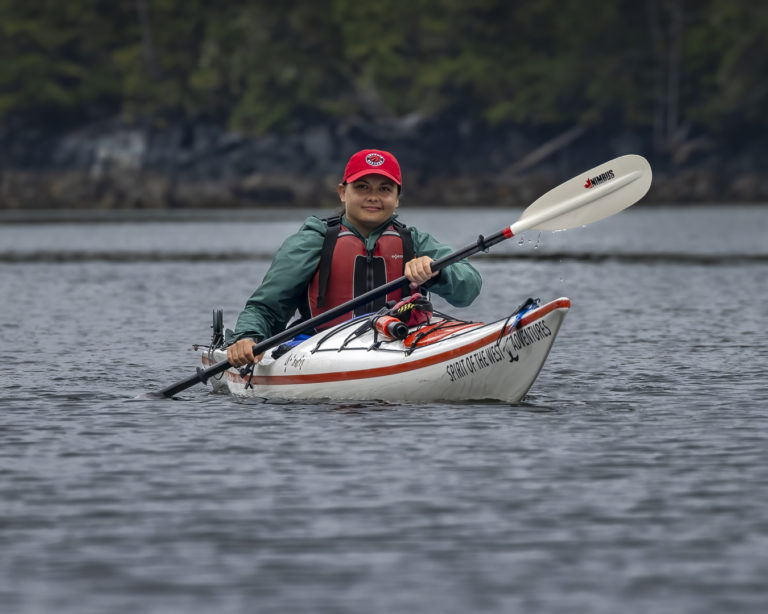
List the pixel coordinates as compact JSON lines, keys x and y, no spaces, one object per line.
{"x":347,"y":269}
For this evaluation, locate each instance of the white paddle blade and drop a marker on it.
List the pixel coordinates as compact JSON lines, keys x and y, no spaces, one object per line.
{"x":589,"y":197}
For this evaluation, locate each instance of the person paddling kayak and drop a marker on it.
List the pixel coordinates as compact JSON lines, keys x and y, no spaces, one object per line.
{"x":328,"y":262}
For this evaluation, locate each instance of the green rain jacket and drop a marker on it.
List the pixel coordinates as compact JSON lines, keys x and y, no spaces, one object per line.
{"x":269,"y":309}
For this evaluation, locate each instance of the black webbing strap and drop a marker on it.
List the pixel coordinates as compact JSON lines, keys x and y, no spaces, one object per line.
{"x":408,"y":251}
{"x":326,"y":255}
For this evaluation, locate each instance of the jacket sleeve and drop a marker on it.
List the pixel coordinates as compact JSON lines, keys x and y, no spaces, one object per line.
{"x":458,"y":283}
{"x":272,"y":305}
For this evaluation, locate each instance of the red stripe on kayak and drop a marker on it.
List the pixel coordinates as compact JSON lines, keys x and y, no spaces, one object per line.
{"x":319,"y":378}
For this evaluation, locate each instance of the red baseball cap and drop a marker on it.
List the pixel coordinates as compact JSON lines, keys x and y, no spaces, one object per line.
{"x":373,"y":162}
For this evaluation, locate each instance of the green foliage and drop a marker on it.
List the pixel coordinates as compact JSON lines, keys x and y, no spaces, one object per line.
{"x":727,"y":52}
{"x":268,"y":65}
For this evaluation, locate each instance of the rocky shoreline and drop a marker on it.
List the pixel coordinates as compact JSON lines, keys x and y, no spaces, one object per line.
{"x":112,"y":166}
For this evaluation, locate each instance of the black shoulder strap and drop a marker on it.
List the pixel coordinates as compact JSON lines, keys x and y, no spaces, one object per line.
{"x":326,"y":255}
{"x":405,"y":236}
{"x":408,"y":251}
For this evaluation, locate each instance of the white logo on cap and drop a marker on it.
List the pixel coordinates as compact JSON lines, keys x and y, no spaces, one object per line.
{"x":374,"y":159}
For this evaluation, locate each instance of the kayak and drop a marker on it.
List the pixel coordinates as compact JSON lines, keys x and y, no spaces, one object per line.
{"x":444,"y":359}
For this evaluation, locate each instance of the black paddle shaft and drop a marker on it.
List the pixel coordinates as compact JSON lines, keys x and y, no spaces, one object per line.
{"x":202,"y":375}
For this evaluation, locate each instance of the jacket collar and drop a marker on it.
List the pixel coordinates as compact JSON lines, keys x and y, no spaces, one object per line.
{"x":374,"y":234}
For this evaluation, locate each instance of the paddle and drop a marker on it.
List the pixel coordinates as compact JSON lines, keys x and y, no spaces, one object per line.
{"x":589,"y":197}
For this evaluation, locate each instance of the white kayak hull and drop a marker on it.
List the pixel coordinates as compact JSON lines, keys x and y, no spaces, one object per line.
{"x":496,"y":361}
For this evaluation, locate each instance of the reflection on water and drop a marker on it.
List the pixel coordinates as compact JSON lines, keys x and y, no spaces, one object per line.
{"x":633,"y":478}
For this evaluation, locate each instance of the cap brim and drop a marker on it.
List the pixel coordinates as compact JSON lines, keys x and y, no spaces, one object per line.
{"x":359,"y":174}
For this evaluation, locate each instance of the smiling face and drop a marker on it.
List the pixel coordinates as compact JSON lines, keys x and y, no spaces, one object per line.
{"x":369,"y":201}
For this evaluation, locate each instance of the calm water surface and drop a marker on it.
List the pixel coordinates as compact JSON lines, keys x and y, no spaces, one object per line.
{"x":633,"y":478}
